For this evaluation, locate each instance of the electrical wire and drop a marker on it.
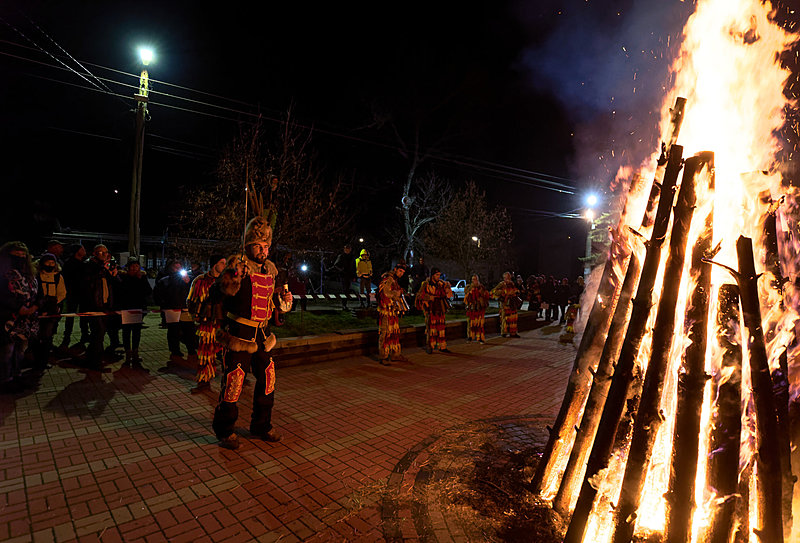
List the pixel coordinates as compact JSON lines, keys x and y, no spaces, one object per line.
{"x":539,"y":180}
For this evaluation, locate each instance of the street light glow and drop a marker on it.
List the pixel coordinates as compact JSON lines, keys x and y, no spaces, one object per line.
{"x":146,"y":54}
{"x":361,"y":240}
{"x":474,"y":238}
{"x":591,"y":200}
{"x":304,"y":268}
{"x":589,"y":215}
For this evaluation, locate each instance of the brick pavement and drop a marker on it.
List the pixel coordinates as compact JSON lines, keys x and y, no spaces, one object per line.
{"x":127,"y":456}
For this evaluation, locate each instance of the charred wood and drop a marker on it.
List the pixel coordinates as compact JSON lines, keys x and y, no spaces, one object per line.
{"x":768,"y":461}
{"x":649,"y":416}
{"x":726,"y":420}
{"x":594,"y":335}
{"x":576,"y":465}
{"x":691,"y":384}
{"x":624,"y":370}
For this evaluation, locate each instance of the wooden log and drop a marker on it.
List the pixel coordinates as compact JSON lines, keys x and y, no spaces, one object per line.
{"x":594,"y":335}
{"x":691,"y":384}
{"x":780,"y":379}
{"x":649,"y":416}
{"x":722,"y":472}
{"x":768,"y":461}
{"x":780,"y":389}
{"x":623,"y":373}
{"x":742,"y":527}
{"x":574,"y":470}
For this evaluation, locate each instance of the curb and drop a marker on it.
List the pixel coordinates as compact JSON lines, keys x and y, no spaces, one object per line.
{"x":311,"y":349}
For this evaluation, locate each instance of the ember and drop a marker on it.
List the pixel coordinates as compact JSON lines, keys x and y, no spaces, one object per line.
{"x":664,"y":433}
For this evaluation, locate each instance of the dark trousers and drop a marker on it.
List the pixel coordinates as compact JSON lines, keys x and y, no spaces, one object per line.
{"x":69,"y":322}
{"x":345,"y":292}
{"x":226,"y":413}
{"x":131,"y":336}
{"x":44,"y":341}
{"x":181,"y":332}
{"x":97,"y":332}
{"x":113,"y":324}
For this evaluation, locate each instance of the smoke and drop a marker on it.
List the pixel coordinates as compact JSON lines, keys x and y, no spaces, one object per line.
{"x":608,"y":63}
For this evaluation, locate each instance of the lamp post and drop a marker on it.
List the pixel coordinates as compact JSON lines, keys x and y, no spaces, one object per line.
{"x":134,"y":238}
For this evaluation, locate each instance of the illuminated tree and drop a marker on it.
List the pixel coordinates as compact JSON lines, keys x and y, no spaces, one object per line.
{"x":284,"y":183}
{"x":469,"y":233}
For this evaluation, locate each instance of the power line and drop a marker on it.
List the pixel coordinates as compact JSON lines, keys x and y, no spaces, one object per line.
{"x":488,"y":168}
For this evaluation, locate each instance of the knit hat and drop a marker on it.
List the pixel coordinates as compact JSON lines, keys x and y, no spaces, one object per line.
{"x":214,"y":258}
{"x":258,"y":230}
{"x":48,"y":256}
{"x":434,"y":271}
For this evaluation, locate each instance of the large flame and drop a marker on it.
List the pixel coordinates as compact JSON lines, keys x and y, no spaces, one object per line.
{"x":729,"y":72}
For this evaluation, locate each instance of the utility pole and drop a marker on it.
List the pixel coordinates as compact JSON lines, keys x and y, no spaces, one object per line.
{"x":134,"y":237}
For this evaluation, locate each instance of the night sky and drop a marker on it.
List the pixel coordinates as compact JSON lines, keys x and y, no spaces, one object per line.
{"x":565,"y":91}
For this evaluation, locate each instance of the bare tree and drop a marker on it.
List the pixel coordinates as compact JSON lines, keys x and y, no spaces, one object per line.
{"x":284,"y":183}
{"x":421,"y":205}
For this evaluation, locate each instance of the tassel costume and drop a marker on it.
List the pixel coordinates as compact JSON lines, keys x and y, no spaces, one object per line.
{"x":432,"y":300}
{"x":476,"y":298}
{"x":504,"y":291}
{"x":207,"y":347}
{"x":389,"y":291}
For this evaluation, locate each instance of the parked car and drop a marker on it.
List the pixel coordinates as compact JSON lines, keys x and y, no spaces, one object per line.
{"x":457,"y":286}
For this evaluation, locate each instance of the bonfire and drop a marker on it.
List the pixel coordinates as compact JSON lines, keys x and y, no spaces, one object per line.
{"x":676,"y":421}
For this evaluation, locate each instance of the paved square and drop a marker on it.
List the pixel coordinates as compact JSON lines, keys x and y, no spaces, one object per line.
{"x":127,"y":456}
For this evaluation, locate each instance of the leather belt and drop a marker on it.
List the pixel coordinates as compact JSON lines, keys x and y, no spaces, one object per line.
{"x":247,"y":322}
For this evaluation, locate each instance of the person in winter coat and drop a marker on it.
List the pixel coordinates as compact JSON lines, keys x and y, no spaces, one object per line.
{"x":72,"y":272}
{"x":345,"y":266}
{"x":549,"y":299}
{"x":171,"y":293}
{"x":97,"y":295}
{"x":18,"y":307}
{"x":364,"y":273}
{"x":562,"y":298}
{"x":134,"y":290}
{"x":52,"y":292}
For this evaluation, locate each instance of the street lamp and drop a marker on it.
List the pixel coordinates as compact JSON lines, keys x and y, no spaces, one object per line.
{"x":134,"y":239}
{"x":591,"y":200}
{"x":478,"y":240}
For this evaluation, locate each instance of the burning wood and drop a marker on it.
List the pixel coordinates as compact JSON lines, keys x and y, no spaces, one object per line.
{"x":705,"y":461}
{"x":623,"y":375}
{"x":649,"y":416}
{"x":597,"y":327}
{"x":726,"y":422}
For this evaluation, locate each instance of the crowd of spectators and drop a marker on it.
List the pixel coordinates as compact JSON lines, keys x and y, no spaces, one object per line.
{"x":35,"y":292}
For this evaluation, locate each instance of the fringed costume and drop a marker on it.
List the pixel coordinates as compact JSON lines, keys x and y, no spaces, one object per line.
{"x":432,"y":299}
{"x":506,"y":293}
{"x":389,"y":309}
{"x":476,"y":299}
{"x":207,"y":326}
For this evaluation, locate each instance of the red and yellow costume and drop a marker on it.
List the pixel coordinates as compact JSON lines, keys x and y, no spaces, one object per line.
{"x":389,"y":294}
{"x":504,"y":292}
{"x":432,"y":300}
{"x":476,"y":298}
{"x":207,"y":326}
{"x":248,"y":301}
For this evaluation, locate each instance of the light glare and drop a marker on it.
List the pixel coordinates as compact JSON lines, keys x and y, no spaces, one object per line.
{"x":146,"y":54}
